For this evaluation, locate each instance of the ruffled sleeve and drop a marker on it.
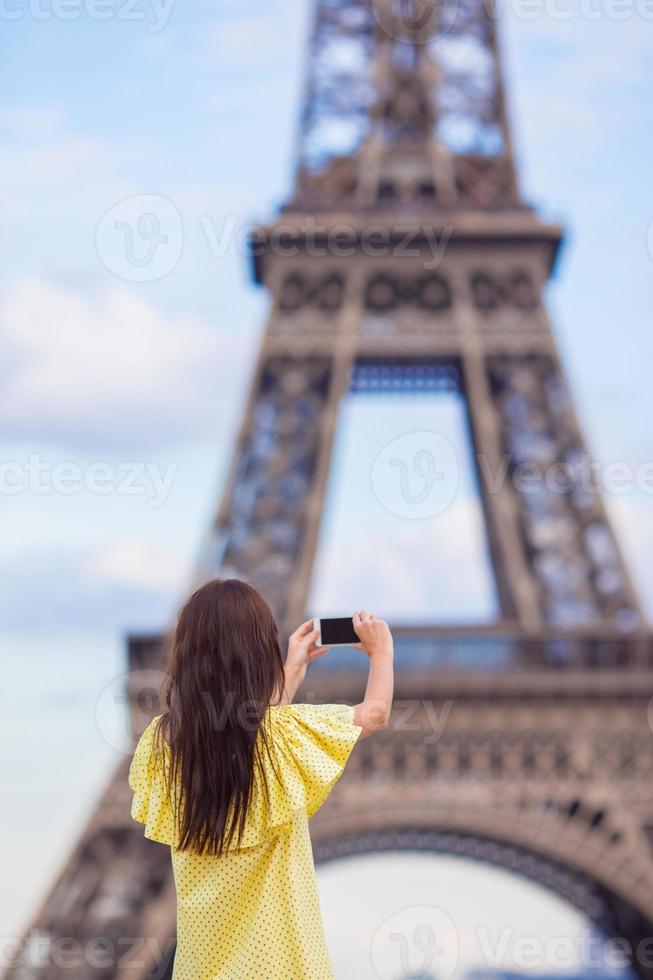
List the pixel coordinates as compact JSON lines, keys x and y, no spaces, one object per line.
{"x":150,"y":803}
{"x":304,"y":754}
{"x":318,"y":739}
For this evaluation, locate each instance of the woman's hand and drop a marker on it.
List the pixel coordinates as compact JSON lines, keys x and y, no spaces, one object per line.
{"x":302,"y":646}
{"x":374,"y":634}
{"x":302,"y":649}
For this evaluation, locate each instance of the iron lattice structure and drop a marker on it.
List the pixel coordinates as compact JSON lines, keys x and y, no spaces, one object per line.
{"x":545,"y":760}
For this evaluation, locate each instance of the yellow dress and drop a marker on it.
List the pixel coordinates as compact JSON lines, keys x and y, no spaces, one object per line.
{"x":254,"y":913}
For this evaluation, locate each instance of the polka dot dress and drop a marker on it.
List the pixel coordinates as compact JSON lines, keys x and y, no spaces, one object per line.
{"x":254,"y":913}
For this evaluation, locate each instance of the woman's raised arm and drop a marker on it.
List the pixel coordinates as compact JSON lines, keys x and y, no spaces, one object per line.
{"x":373,"y":713}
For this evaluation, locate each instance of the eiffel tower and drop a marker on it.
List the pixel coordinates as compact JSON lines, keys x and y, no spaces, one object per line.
{"x":543,"y":766}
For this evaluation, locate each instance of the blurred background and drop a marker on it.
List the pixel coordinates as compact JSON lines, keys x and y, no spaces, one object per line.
{"x":120,"y":399}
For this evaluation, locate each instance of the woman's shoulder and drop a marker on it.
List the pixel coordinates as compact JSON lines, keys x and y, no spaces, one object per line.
{"x":151,"y":727}
{"x":145,"y":748}
{"x":149,"y":735}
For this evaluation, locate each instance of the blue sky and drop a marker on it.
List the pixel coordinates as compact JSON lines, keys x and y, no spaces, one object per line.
{"x":97,"y":370}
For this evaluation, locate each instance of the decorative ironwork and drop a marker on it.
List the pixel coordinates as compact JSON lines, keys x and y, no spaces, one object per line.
{"x":429,"y":292}
{"x":418,"y":377}
{"x":297,"y":292}
{"x":404,"y":104}
{"x":259,"y":537}
{"x":517,"y":288}
{"x":573,"y":551}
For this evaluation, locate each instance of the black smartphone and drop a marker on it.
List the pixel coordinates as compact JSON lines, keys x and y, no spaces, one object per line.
{"x":335,"y":632}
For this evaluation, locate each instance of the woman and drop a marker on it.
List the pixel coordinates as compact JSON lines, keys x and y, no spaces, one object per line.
{"x":230,"y":773}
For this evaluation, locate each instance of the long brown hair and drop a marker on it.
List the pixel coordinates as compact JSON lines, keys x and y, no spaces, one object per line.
{"x":224,"y":670}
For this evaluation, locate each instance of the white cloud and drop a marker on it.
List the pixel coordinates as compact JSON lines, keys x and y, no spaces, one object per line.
{"x":134,"y":562}
{"x":422,"y":571}
{"x":108,"y":373}
{"x":42,"y":157}
{"x":56,"y":183}
{"x":103,"y":592}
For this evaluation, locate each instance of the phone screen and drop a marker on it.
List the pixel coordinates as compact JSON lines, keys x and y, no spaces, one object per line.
{"x":338,"y":631}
